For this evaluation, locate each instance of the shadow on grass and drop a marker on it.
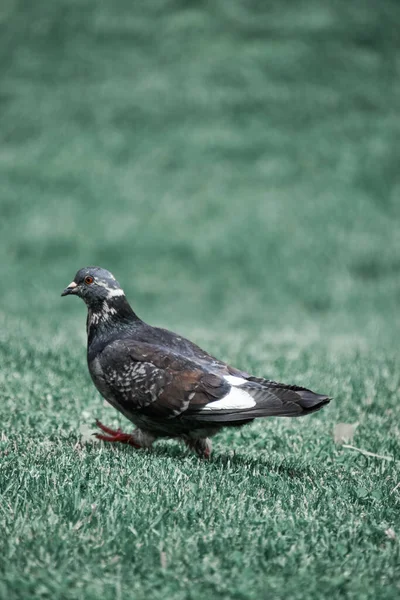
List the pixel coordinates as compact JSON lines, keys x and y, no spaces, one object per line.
{"x":261,"y":463}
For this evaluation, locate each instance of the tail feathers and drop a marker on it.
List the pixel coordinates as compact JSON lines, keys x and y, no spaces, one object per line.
{"x":307,"y":400}
{"x":311,"y":402}
{"x":266,"y":399}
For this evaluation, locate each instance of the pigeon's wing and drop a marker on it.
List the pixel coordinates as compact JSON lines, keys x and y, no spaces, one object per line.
{"x":182,"y":346}
{"x":154,"y":381}
{"x":159,"y":384}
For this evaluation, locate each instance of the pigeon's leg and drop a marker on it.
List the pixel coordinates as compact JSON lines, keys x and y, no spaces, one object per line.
{"x":138,"y":438}
{"x":202,"y":446}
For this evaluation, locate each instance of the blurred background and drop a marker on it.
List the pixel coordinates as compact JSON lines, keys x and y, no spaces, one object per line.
{"x":235,"y":164}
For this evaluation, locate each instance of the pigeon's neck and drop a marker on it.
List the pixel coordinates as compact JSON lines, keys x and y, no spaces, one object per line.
{"x":108,"y":316}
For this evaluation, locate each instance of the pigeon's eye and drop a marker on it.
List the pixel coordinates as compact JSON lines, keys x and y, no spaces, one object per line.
{"x":89,"y":279}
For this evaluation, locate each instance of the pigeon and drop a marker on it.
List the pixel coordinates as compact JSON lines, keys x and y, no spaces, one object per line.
{"x":165,"y":384}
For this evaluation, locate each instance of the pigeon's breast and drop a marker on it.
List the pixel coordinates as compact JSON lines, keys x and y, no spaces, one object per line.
{"x":100,"y":381}
{"x":97,"y":375}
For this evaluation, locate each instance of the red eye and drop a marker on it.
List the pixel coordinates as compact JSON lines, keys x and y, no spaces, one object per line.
{"x":89,"y":279}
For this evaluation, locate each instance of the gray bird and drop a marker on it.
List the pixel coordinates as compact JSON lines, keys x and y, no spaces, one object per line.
{"x":166,"y":385}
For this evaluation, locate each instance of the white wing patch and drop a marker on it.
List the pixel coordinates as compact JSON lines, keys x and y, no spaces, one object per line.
{"x":237,"y":399}
{"x":233,"y":380}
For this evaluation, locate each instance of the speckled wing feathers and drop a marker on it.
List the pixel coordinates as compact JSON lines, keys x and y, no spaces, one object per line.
{"x":155,"y":381}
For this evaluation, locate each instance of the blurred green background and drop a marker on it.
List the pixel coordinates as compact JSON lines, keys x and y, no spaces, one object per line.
{"x":228,"y":161}
{"x":236,"y":165}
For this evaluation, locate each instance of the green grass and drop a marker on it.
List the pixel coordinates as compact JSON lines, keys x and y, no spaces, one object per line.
{"x":236,"y":167}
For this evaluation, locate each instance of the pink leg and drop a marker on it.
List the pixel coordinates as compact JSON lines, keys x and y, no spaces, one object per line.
{"x":116,"y":435}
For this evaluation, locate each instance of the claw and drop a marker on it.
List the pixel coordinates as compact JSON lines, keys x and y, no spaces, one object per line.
{"x":115,"y":435}
{"x":106,"y":429}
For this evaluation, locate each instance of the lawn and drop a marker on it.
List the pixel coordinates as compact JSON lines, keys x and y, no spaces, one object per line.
{"x":236,"y":166}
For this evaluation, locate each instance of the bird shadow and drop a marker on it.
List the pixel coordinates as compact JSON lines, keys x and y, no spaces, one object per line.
{"x":262,"y":463}
{"x":232,"y":460}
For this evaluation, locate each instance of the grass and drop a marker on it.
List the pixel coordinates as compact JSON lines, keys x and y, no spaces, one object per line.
{"x":236,"y":167}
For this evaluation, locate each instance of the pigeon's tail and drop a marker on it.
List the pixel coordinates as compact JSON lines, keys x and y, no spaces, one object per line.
{"x":297,"y":401}
{"x":255,"y":397}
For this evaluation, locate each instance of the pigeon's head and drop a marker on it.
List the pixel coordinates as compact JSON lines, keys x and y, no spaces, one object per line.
{"x":94,"y":285}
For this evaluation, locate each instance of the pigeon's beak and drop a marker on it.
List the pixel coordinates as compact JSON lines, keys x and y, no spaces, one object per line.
{"x":71,"y":289}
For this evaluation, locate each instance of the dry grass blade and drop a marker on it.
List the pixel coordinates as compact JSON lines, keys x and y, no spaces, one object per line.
{"x":367,"y":453}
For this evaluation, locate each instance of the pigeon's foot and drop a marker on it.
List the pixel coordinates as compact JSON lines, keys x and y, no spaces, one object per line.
{"x":137,"y":439}
{"x":115,"y":435}
{"x":201,"y":446}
